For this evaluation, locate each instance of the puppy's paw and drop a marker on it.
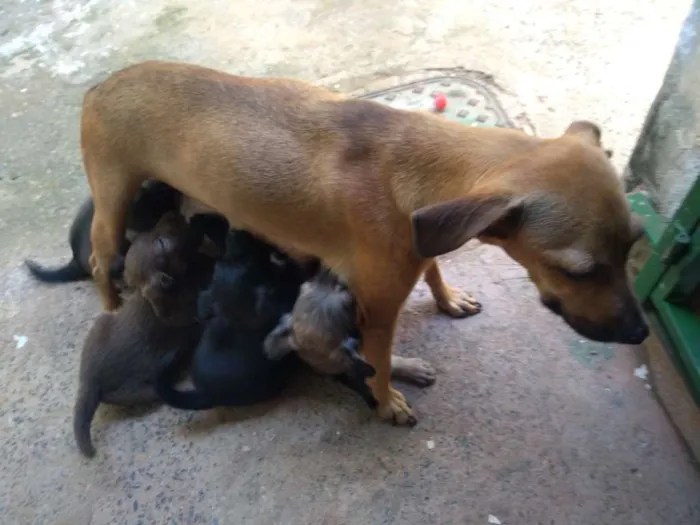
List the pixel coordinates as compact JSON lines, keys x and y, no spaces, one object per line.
{"x":414,"y":370}
{"x":364,"y":369}
{"x":397,"y":410}
{"x":458,"y":303}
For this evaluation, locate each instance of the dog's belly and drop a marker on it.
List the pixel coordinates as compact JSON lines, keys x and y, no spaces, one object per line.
{"x":284,"y":214}
{"x":190,"y":207}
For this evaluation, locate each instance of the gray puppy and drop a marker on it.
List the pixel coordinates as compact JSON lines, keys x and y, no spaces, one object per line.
{"x":122,"y":351}
{"x":322,"y":330}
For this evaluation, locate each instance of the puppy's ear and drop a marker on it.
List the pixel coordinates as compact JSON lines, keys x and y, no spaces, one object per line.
{"x":280,"y":342}
{"x":444,"y":227}
{"x":586,"y":131}
{"x":637,"y":226}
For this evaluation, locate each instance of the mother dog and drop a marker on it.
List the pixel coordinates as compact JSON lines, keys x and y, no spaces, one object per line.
{"x":377,"y":193}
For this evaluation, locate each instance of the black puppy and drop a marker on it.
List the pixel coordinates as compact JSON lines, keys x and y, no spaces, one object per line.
{"x":253,"y":285}
{"x":150,"y":204}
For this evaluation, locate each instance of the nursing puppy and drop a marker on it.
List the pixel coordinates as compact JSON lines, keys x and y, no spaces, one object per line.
{"x":253,"y":285}
{"x":121,"y":352}
{"x":153,"y":200}
{"x":322,"y":331}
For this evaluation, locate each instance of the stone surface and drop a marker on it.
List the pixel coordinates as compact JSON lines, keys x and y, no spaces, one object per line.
{"x":526,"y":422}
{"x":666,"y":159}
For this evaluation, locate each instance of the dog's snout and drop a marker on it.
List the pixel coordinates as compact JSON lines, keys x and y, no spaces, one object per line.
{"x":634,"y":328}
{"x":635,"y":336}
{"x":628,"y":328}
{"x":552,"y":304}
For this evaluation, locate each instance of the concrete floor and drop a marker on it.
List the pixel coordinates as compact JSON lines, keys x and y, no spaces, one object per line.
{"x":527,"y":424}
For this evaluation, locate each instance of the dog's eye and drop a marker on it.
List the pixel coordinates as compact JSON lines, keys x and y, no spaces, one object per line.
{"x":595,"y":273}
{"x":575,"y":276}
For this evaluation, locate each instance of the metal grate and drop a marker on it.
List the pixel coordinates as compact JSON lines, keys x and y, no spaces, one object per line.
{"x":468,"y":102}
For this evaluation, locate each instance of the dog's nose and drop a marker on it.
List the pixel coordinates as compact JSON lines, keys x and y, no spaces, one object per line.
{"x":635,"y":335}
{"x":633,"y":329}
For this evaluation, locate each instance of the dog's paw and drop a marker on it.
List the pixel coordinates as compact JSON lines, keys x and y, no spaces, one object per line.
{"x":397,"y":410}
{"x":416,"y":371}
{"x":113,"y":302}
{"x":458,"y":304}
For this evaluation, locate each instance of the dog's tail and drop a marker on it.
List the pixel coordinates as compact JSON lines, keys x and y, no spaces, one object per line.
{"x":72,"y":271}
{"x":85,"y":408}
{"x":184,"y":400}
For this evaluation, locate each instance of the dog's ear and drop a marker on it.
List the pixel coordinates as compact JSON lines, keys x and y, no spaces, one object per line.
{"x":586,"y":131}
{"x":444,"y":227}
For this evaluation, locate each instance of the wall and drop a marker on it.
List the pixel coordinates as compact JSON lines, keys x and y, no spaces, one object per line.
{"x":666,"y":159}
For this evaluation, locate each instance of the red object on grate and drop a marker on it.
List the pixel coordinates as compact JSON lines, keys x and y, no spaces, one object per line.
{"x":440,"y":102}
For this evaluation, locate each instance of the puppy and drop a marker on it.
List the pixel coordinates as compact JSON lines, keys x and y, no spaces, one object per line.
{"x":322,"y":331}
{"x":121,"y":353}
{"x":321,"y":328}
{"x":150,"y":204}
{"x":153,"y":200}
{"x":253,"y":285}
{"x":377,"y":193}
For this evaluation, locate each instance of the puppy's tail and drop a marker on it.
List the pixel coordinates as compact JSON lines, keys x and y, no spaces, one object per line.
{"x":184,"y":400}
{"x":85,"y":408}
{"x":72,"y":271}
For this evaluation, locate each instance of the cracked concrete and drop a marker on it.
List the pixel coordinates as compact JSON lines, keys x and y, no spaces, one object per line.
{"x":526,"y":423}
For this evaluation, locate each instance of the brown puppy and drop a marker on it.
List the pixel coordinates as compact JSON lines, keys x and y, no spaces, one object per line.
{"x":122,"y":350}
{"x":322,"y":330}
{"x":376,"y":193}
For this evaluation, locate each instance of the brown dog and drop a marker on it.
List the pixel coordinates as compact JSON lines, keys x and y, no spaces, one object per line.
{"x":122,"y":351}
{"x":375,"y":192}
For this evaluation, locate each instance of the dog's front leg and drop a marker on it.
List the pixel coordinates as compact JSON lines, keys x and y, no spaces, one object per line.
{"x":452,"y":301}
{"x":380,"y":299}
{"x":377,"y":339}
